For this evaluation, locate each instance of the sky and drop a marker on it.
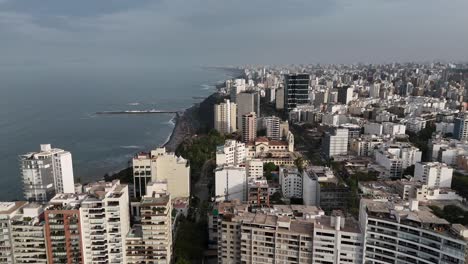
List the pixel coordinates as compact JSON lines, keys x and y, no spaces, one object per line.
{"x":138,"y":33}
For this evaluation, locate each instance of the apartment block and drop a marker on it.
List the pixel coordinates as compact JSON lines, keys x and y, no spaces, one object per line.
{"x":28,"y":236}
{"x":254,"y":169}
{"x":63,"y":230}
{"x":232,"y":153}
{"x":151,"y":241}
{"x":408,"y":233}
{"x":434,"y":174}
{"x":337,"y":239}
{"x":105,"y":221}
{"x":7,"y":212}
{"x":46,"y":173}
{"x":225,"y":117}
{"x":160,"y":165}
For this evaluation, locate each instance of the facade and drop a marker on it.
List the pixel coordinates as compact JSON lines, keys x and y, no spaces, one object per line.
{"x":296,"y":90}
{"x":415,"y":124}
{"x":333,"y":196}
{"x":337,"y":239}
{"x":345,"y":94}
{"x":365,"y":146}
{"x":7,"y":212}
{"x":63,"y":234}
{"x":272,"y":126}
{"x":261,"y":238}
{"x":232,"y":153}
{"x":159,"y":165}
{"x":460,"y":130}
{"x":249,"y":127}
{"x":247,"y":102}
{"x":433,"y":174}
{"x":280,"y":234}
{"x":151,"y":241}
{"x":397,"y":157}
{"x":27,"y":235}
{"x":105,"y":220}
{"x":396,"y":233}
{"x":46,"y":172}
{"x":225,"y":121}
{"x":258,"y":194}
{"x":335,"y":143}
{"x":310,"y":189}
{"x":254,"y":168}
{"x":291,"y":182}
{"x":230,"y":183}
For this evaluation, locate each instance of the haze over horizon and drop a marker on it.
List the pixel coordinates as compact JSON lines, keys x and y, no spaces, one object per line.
{"x":134,"y":34}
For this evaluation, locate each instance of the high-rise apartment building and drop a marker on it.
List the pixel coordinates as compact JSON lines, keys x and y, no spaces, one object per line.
{"x":434,"y":174}
{"x":232,"y":153}
{"x":272,"y":126}
{"x":230,"y":183}
{"x":291,"y":182}
{"x":460,"y":130}
{"x":46,"y":172}
{"x":345,"y":94}
{"x":396,"y":157}
{"x":296,"y":90}
{"x":225,"y":117}
{"x":63,"y":230}
{"x":249,"y":127}
{"x":159,"y":165}
{"x":399,"y":233}
{"x":279,"y":234}
{"x":27,"y":235}
{"x":335,"y":142}
{"x":151,"y":241}
{"x":337,"y":239}
{"x":7,"y":212}
{"x":105,"y":221}
{"x":247,"y":102}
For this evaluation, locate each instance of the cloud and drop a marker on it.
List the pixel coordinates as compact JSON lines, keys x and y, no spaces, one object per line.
{"x":138,"y":33}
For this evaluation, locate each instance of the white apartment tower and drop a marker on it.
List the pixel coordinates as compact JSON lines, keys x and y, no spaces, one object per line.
{"x":230,"y":183}
{"x":232,"y":153}
{"x":335,"y":143}
{"x":434,"y":174}
{"x":47,"y":172}
{"x":225,"y":117}
{"x":337,"y":240}
{"x":105,"y":220}
{"x":399,"y":233}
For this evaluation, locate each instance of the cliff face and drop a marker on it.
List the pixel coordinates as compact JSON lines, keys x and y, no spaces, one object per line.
{"x":205,"y":113}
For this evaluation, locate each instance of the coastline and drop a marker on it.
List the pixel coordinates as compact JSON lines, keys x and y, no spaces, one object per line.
{"x":191,"y":121}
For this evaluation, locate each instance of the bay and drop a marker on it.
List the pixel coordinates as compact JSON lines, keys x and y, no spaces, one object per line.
{"x":58,"y":106}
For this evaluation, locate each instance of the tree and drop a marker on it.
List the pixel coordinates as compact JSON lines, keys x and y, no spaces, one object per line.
{"x":299,"y":162}
{"x":267,"y":169}
{"x":182,"y":261}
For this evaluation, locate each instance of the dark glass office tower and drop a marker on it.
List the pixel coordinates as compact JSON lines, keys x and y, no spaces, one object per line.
{"x":296,"y":90}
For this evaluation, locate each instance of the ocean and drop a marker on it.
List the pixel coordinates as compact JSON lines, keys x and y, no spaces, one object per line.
{"x":58,"y":106}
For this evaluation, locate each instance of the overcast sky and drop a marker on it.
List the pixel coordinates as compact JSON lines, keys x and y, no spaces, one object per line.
{"x":216,"y":32}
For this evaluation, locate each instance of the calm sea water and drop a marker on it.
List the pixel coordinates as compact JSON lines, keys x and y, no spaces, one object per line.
{"x":57,"y":107}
